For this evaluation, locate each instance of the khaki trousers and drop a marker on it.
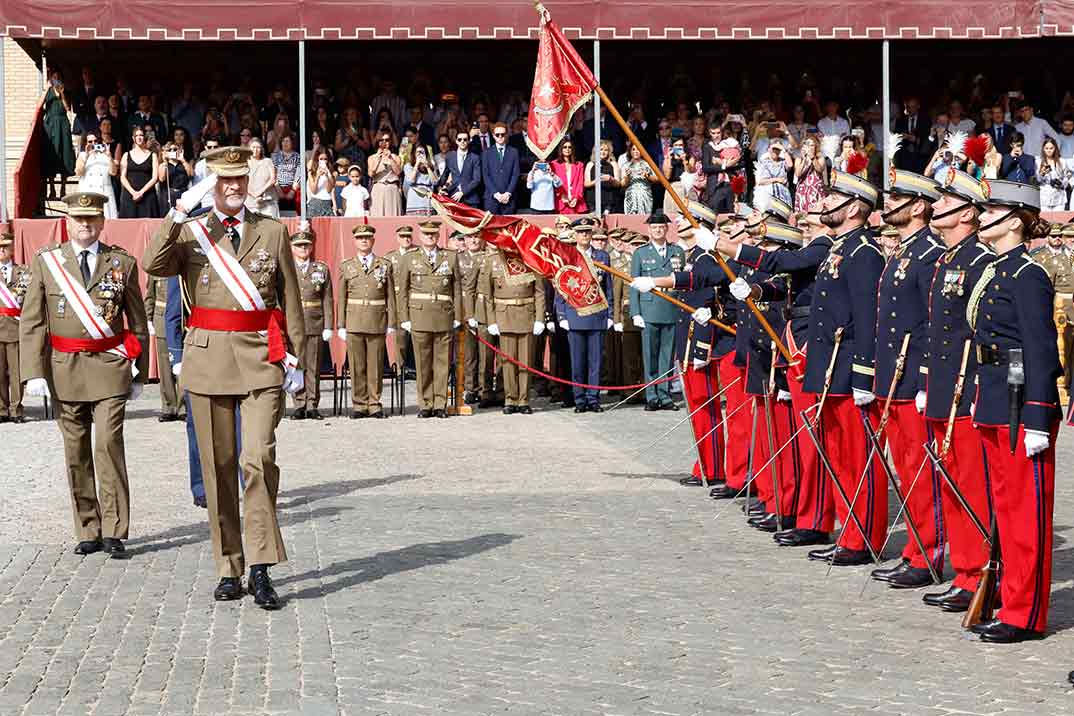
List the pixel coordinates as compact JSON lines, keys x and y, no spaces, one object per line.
{"x":516,"y":380}
{"x":365,"y":353}
{"x":432,"y":363}
{"x":214,"y":424}
{"x":10,"y":384}
{"x":478,"y":363}
{"x":310,"y":395}
{"x":633,"y":364}
{"x":108,"y":515}
{"x":169,"y":397}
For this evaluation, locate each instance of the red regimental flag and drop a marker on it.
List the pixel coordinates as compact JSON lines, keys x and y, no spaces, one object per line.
{"x":561,"y":84}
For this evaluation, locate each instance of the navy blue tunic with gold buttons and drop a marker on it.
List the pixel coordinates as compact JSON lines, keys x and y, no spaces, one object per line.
{"x":703,"y":283}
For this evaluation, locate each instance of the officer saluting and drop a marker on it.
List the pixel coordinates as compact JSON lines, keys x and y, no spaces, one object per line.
{"x":79,"y":295}
{"x":315,"y":285}
{"x":367,"y":311}
{"x":14,"y":280}
{"x":240,"y":276}
{"x":1058,"y":262}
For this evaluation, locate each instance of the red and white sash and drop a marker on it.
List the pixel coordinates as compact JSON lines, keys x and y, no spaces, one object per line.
{"x":9,"y":305}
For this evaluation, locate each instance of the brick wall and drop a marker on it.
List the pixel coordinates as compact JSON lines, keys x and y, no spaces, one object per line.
{"x":21,"y":92}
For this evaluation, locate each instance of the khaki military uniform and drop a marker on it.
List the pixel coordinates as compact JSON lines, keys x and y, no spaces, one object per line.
{"x":478,"y":359}
{"x":430,"y":298}
{"x":88,"y":387}
{"x":514,"y":307}
{"x":402,"y":338}
{"x":367,"y":310}
{"x":10,"y":381}
{"x":225,"y":371}
{"x":632,"y":370}
{"x":1059,"y":265}
{"x":315,"y":285}
{"x":156,"y":301}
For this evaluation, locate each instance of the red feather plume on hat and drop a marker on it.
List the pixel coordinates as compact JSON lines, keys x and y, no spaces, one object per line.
{"x":738,"y":185}
{"x":856,"y":162}
{"x":976,"y":148}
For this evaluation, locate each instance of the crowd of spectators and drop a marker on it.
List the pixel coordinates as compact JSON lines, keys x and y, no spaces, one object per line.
{"x":377,"y":155}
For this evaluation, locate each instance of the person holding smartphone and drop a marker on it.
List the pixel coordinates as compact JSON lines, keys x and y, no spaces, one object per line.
{"x":95,"y":168}
{"x":174,"y":172}
{"x":320,"y":184}
{"x":542,"y":183}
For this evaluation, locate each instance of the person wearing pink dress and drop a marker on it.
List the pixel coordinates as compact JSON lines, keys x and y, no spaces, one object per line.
{"x":570,"y":194}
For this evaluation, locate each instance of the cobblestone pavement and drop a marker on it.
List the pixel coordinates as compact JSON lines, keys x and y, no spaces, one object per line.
{"x":481,"y":565}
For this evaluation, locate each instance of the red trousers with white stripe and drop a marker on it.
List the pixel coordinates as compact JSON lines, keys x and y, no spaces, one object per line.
{"x":1023,"y":492}
{"x":699,"y":386}
{"x":815,"y":508}
{"x":848,"y":449}
{"x":905,"y":434}
{"x":965,"y":463}
{"x":739,"y":420}
{"x":785,"y":467}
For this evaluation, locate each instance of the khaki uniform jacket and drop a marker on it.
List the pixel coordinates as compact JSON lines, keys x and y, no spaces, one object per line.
{"x":156,"y":301}
{"x":367,"y":298}
{"x":20,"y":281}
{"x":470,"y":266}
{"x":430,"y":296}
{"x":116,"y":295}
{"x":221,"y":362}
{"x":621,"y":294}
{"x":315,"y":284}
{"x":395,"y":258}
{"x":513,"y":307}
{"x":1059,"y":265}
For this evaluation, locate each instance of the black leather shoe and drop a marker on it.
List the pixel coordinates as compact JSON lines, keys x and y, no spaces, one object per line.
{"x":4,"y":418}
{"x":523,"y":410}
{"x":723,"y":492}
{"x":911,"y":578}
{"x":1000,"y":633}
{"x":652,"y":406}
{"x":355,"y":415}
{"x":114,"y":547}
{"x":486,"y":403}
{"x":843,"y":557}
{"x":299,"y":414}
{"x":670,"y":405}
{"x":201,"y":502}
{"x":884,"y":574}
{"x":88,"y":547}
{"x":822,"y":555}
{"x":19,"y":419}
{"x":314,"y":414}
{"x":509,"y":410}
{"x":425,"y":413}
{"x":800,"y":538}
{"x":692,"y":481}
{"x":581,"y":409}
{"x":982,"y":627}
{"x":1070,"y":677}
{"x":935,"y":599}
{"x":769,"y":523}
{"x":379,"y":415}
{"x":229,"y":589}
{"x":261,"y":588}
{"x":959,"y":602}
{"x":596,"y":408}
{"x":470,"y":397}
{"x":440,"y":413}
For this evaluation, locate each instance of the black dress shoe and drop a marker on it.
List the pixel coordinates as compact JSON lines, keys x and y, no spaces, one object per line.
{"x":1001,"y":633}
{"x":355,"y":415}
{"x":843,"y":557}
{"x":201,"y":502}
{"x":470,"y":397}
{"x":425,"y":413}
{"x":19,"y":419}
{"x":959,"y":602}
{"x":596,"y":408}
{"x":768,"y":523}
{"x":229,"y":589}
{"x":670,"y":405}
{"x":88,"y":547}
{"x":523,"y":410}
{"x":261,"y":588}
{"x":884,"y":574}
{"x":509,"y":410}
{"x":822,"y":555}
{"x":4,"y":418}
{"x":314,"y":414}
{"x":935,"y":599}
{"x":299,"y":414}
{"x":691,"y":481}
{"x":911,"y":578}
{"x":379,"y":415}
{"x":581,"y":409}
{"x":567,"y":404}
{"x":165,"y":418}
{"x":723,"y":492}
{"x":1070,"y":677}
{"x":114,"y":547}
{"x":440,"y":413}
{"x":982,"y":627}
{"x":486,"y":403}
{"x":800,"y":538}
{"x":652,"y":406}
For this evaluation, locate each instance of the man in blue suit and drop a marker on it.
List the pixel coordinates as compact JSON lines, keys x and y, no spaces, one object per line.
{"x":585,"y":334}
{"x":461,"y":179}
{"x":499,"y":171}
{"x":1018,"y":166}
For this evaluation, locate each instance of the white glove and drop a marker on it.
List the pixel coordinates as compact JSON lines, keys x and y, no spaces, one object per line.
{"x":705,"y":238}
{"x":455,"y":324}
{"x":326,"y":334}
{"x":618,"y":328}
{"x":1036,"y":442}
{"x":919,"y":401}
{"x":702,"y":315}
{"x":177,"y":368}
{"x":494,"y":329}
{"x":390,"y":330}
{"x":341,"y":333}
{"x":472,"y":322}
{"x":643,"y":284}
{"x":152,"y":331}
{"x":610,"y":323}
{"x":741,"y":289}
{"x":564,"y":325}
{"x":638,"y":321}
{"x":405,"y":325}
{"x":863,"y":397}
{"x":37,"y":388}
{"x":538,"y":328}
{"x":135,"y":391}
{"x":783,"y":396}
{"x":293,"y":380}
{"x":550,"y":326}
{"x":698,"y":364}
{"x":191,"y":198}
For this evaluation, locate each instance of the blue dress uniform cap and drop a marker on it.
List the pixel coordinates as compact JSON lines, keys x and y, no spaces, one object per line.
{"x":586,"y":223}
{"x":854,"y":186}
{"x":704,"y":215}
{"x":963,"y":185}
{"x":782,"y":233}
{"x":906,"y":183}
{"x":1000,"y":192}
{"x":779,"y":209}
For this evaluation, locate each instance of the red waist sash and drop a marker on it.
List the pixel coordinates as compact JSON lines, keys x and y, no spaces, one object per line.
{"x":14,"y":312}
{"x":98,"y":345}
{"x":270,"y":320}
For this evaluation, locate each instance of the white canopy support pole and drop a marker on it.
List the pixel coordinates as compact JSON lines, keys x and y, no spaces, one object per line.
{"x":598,"y":210}
{"x":3,"y":139}
{"x":302,"y":126}
{"x":887,"y":112}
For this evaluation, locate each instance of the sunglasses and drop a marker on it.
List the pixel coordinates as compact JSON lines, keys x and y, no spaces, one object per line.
{"x":462,"y":139}
{"x":499,"y":134}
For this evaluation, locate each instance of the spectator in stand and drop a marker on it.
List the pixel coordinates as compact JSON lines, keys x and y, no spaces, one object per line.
{"x":316,"y":146}
{"x":721,"y":158}
{"x":355,"y":197}
{"x":281,"y":127}
{"x":443,"y":145}
{"x":59,"y":151}
{"x":174,"y":173}
{"x":245,"y":137}
{"x":1000,"y":132}
{"x":832,"y":124}
{"x":771,"y":176}
{"x":675,"y":165}
{"x":608,"y":130}
{"x":188,"y":111}
{"x":461,"y":177}
{"x":992,"y":165}
{"x":343,"y":180}
{"x":352,"y":139}
{"x":419,"y":173}
{"x":288,"y":164}
{"x":1033,"y":130}
{"x":201,"y":168}
{"x":181,"y":139}
{"x":138,"y":175}
{"x":638,"y":179}
{"x":570,"y":198}
{"x":393,"y":103}
{"x":425,"y":131}
{"x":452,"y":122}
{"x":1054,"y":177}
{"x":279,"y":104}
{"x":848,"y":145}
{"x":262,"y":192}
{"x":320,"y":186}
{"x":698,"y":135}
{"x":146,"y":116}
{"x":90,"y":119}
{"x":385,"y":173}
{"x":124,"y":98}
{"x":810,"y":175}
{"x":215,"y":128}
{"x":322,"y":125}
{"x":958,"y":123}
{"x":384,"y":124}
{"x":84,"y":99}
{"x":610,"y":192}
{"x":95,"y":168}
{"x":799,"y":128}
{"x":1019,"y":166}
{"x":542,"y":184}
{"x":119,"y":117}
{"x":481,"y":134}
{"x":499,"y":173}
{"x":1066,"y":137}
{"x":662,"y":146}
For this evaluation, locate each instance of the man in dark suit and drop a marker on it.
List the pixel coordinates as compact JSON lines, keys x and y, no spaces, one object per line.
{"x":913,"y":125}
{"x":1000,"y":131}
{"x":499,"y":171}
{"x":480,"y":136}
{"x":425,"y":131}
{"x":462,"y":173}
{"x":1017,"y":165}
{"x":608,"y":130}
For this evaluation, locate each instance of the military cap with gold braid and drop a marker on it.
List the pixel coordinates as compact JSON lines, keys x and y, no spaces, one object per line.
{"x":1068,"y":231}
{"x":229,"y":161}
{"x":854,"y":186}
{"x":703,"y":214}
{"x":586,"y":223}
{"x":963,"y":185}
{"x":302,"y":237}
{"x":1013,"y":194}
{"x":781,"y":233}
{"x":429,"y":227}
{"x":85,"y":203}
{"x":7,"y":238}
{"x":367,"y":231}
{"x":404,"y":230}
{"x":906,"y":183}
{"x":779,"y":209}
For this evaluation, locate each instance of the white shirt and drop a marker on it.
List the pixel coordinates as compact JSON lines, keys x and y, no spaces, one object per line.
{"x":963,"y":125}
{"x":5,"y":271}
{"x":302,"y":266}
{"x":460,"y":157}
{"x":838,"y":126}
{"x":355,"y":198}
{"x":241,"y":216}
{"x":431,"y":255}
{"x":367,"y":261}
{"x":661,"y":249}
{"x":91,"y":260}
{"x":1035,"y":131}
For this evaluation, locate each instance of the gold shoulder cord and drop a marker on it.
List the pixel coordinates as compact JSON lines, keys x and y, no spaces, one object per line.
{"x":978,"y":293}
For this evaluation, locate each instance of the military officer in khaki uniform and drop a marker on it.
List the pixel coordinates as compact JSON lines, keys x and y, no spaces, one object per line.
{"x":74,"y":347}
{"x":14,"y":280}
{"x":315,"y":284}
{"x":1058,"y":262}
{"x":404,"y":236}
{"x":429,"y":309}
{"x":156,"y":300}
{"x":515,"y":312}
{"x":478,"y":359}
{"x":367,"y":312}
{"x":238,"y":272}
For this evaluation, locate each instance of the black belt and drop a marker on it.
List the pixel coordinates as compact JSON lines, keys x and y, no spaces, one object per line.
{"x":988,"y":356}
{"x":797,"y":312}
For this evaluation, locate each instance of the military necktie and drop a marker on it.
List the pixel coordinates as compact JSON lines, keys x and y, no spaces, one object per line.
{"x":230,"y":222}
{"x":83,"y":266}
